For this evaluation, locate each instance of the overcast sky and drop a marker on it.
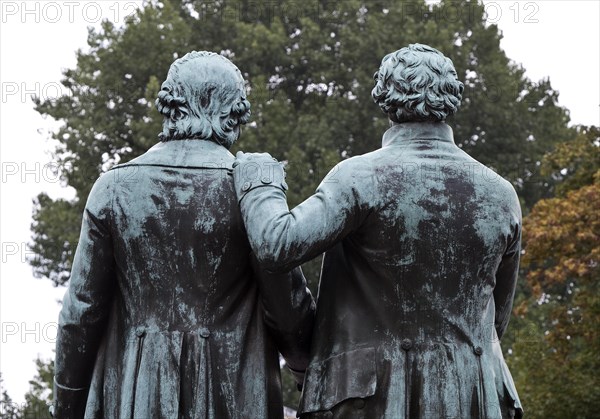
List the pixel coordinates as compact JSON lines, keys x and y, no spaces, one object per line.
{"x":559,"y":39}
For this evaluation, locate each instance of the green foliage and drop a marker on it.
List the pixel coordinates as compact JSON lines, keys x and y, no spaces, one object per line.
{"x":291,"y":395}
{"x":39,"y":397}
{"x":55,"y":227}
{"x":552,"y":384}
{"x":574,"y":163}
{"x":8,"y":408}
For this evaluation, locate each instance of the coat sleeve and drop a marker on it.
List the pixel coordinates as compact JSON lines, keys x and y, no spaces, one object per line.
{"x":283,"y":239}
{"x":85,"y":306}
{"x":507,"y":274}
{"x":288,"y":313}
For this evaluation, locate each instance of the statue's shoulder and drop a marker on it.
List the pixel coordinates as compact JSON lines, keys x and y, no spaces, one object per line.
{"x":193,"y":154}
{"x":145,"y":158}
{"x":361,"y":161}
{"x":490,"y":182}
{"x":353,"y":173}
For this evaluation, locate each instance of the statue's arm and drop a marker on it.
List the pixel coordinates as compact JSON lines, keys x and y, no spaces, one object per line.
{"x":506,"y":278}
{"x":283,"y":239}
{"x":289,"y":314}
{"x":85,"y":306}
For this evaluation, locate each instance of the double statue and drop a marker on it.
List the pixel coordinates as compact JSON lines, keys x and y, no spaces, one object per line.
{"x":186,"y":285}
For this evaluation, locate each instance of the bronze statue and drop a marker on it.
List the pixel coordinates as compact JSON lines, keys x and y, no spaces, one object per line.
{"x":422,"y":250}
{"x":167,"y":314}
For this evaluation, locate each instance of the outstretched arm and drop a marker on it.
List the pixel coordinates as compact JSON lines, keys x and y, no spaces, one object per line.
{"x":283,"y":239}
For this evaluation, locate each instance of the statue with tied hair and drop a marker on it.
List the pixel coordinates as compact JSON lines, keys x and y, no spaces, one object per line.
{"x":167,"y":314}
{"x":422,"y":246}
{"x":213,"y":109}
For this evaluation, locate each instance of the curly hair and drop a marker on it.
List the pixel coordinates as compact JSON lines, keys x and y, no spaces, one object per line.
{"x":417,"y":83}
{"x":203,"y":97}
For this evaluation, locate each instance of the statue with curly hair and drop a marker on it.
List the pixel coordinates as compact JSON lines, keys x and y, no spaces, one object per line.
{"x":422,"y":246}
{"x":167,"y":314}
{"x":417,"y":84}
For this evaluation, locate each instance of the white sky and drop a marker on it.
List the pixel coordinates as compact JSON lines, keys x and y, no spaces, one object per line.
{"x":559,"y":39}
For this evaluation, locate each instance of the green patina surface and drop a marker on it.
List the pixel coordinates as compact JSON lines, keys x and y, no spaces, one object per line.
{"x":167,"y":314}
{"x":422,"y":250}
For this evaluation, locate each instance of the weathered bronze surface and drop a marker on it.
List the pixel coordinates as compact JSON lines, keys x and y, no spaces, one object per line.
{"x":167,"y":314}
{"x":422,"y":250}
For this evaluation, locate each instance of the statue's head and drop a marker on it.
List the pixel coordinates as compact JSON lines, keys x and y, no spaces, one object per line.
{"x":417,"y":83}
{"x":203,"y":97}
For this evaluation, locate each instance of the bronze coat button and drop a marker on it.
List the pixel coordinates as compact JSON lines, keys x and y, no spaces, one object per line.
{"x":246,"y":186}
{"x":140,"y":332}
{"x":406,"y":344}
{"x":478,"y":350}
{"x":204,"y":332}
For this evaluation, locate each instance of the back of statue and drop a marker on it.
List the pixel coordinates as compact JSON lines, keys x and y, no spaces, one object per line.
{"x":167,"y":314}
{"x":422,"y":249}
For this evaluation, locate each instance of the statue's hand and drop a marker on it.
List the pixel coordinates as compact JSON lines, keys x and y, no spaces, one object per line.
{"x":244,"y":158}
{"x":254,"y":170}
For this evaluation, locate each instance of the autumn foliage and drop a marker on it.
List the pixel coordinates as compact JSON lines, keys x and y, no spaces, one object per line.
{"x":556,"y":356}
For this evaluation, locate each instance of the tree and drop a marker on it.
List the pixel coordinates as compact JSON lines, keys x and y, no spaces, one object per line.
{"x":8,"y":408}
{"x":557,"y":359}
{"x":309,"y":68}
{"x":574,"y":163}
{"x":40,"y":395}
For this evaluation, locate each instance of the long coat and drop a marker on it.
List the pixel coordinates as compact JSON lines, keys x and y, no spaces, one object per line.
{"x":166,"y":314}
{"x":418,"y":280}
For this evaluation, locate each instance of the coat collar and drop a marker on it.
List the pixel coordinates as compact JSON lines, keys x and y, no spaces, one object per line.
{"x":185,"y":153}
{"x":408,"y":131}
